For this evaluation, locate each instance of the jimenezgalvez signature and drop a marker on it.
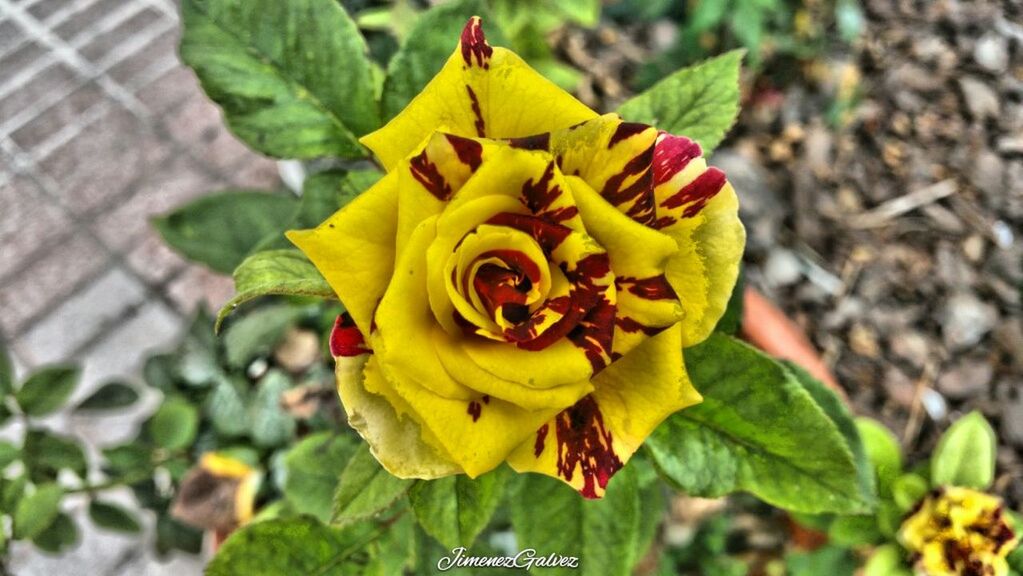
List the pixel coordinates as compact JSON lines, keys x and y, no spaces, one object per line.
{"x":525,"y":559}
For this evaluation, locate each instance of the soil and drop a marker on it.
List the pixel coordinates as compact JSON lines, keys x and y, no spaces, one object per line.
{"x":882,"y":189}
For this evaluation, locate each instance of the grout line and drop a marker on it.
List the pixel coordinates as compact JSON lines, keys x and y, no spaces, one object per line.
{"x":86,"y":119}
{"x":125,"y":51}
{"x":152,"y":291}
{"x":169,"y":10}
{"x":51,"y":21}
{"x":27,"y":74}
{"x":71,"y":57}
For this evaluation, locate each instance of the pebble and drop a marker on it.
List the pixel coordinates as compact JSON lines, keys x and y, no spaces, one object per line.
{"x":992,"y":53}
{"x":1012,"y":420}
{"x":863,"y":341}
{"x":298,"y":350}
{"x":967,"y":379}
{"x":973,"y":247}
{"x":782,"y":268}
{"x":899,"y":387}
{"x":965,"y":319}
{"x":912,"y":347}
{"x":987,"y":174}
{"x":980,"y":99}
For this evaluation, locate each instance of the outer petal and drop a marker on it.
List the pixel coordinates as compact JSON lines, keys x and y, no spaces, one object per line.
{"x":396,"y":442}
{"x":699,"y":208}
{"x":354,"y":249}
{"x":480,"y":91}
{"x":586,"y":444}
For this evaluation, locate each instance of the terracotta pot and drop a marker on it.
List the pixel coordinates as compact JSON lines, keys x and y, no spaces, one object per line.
{"x":765,"y":326}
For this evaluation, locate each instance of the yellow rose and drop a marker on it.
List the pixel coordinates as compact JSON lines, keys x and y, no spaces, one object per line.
{"x":959,"y":532}
{"x":521,"y":283}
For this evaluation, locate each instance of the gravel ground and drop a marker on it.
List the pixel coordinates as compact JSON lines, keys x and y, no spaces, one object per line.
{"x":890,"y":228}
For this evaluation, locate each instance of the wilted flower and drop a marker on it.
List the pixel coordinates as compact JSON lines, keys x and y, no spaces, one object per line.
{"x":218,"y":494}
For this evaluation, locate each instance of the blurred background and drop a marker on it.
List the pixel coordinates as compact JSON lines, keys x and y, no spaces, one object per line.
{"x":878,"y":159}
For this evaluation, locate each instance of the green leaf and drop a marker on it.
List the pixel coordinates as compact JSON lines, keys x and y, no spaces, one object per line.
{"x":175,"y":424}
{"x":293,"y":77}
{"x":854,"y":531}
{"x":257,"y":333}
{"x":37,"y":511}
{"x":270,"y":424}
{"x":837,"y":411}
{"x":394,"y":551}
{"x":59,"y":537}
{"x":965,"y":455}
{"x":909,"y":489}
{"x":6,"y":371}
{"x":280,"y":272}
{"x":113,"y":517}
{"x":550,"y":517}
{"x":887,"y":560}
{"x":108,"y":397}
{"x":174,"y":535}
{"x":429,"y":45}
{"x":325,"y":193}
{"x":11,"y":492}
{"x":883,"y":450}
{"x":455,"y":509}
{"x":759,"y":430}
{"x":128,"y":458}
{"x":161,"y":371}
{"x":46,"y":454}
{"x":1016,"y":559}
{"x":313,"y":468}
{"x":47,"y":390}
{"x":365,"y":489}
{"x":300,"y":545}
{"x":227,"y":406}
{"x":221,"y":229}
{"x":8,"y":454}
{"x":699,"y":102}
{"x":828,"y":560}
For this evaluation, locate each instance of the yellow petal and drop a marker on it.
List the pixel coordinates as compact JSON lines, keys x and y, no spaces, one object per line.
{"x":639,"y":254}
{"x":476,"y":434}
{"x":354,"y":249}
{"x":396,"y":441}
{"x":586,"y":444}
{"x":480,"y":91}
{"x":706,"y":267}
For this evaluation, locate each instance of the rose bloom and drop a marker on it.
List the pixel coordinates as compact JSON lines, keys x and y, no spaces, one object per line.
{"x":959,"y":532}
{"x":521,"y":284}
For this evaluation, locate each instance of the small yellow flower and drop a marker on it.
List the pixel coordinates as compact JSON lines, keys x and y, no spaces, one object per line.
{"x":959,"y":532}
{"x":521,"y":283}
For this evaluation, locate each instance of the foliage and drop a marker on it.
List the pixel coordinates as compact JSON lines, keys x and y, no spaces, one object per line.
{"x":964,"y":458}
{"x":768,"y":30}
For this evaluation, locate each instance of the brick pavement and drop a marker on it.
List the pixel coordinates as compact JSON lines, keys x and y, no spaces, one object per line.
{"x":101,"y":128}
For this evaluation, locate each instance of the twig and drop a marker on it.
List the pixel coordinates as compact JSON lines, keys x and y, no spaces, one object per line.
{"x":895,"y":207}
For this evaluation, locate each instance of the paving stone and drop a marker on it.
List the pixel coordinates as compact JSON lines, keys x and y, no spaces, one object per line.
{"x":64,"y":112}
{"x":10,"y":35}
{"x":48,"y":280}
{"x":170,"y":186}
{"x":257,"y":172}
{"x":98,"y":551}
{"x":43,"y":9}
{"x":170,"y":91}
{"x":30,"y":223}
{"x":54,"y":78}
{"x":87,"y":18}
{"x":200,"y":126}
{"x":104,"y":159}
{"x":104,"y":45}
{"x":27,"y":54}
{"x":153,"y":259}
{"x":155,"y":54}
{"x":198,"y":286}
{"x":79,"y":318}
{"x":120,"y":356}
